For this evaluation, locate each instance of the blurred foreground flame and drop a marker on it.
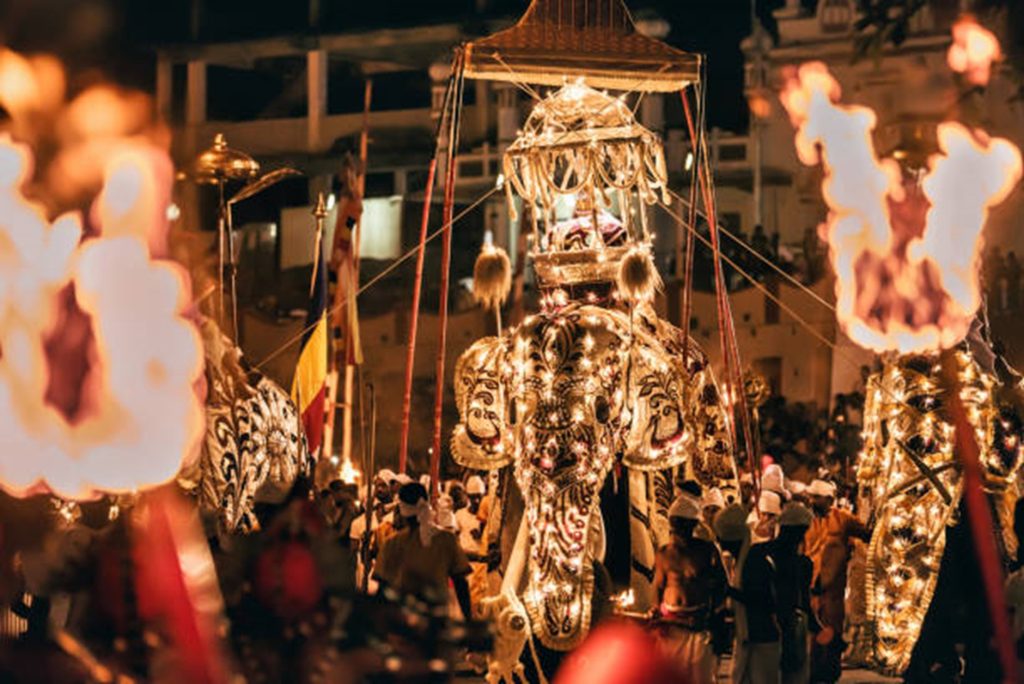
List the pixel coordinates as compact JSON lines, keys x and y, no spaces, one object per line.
{"x":906,"y":255}
{"x":973,"y":50}
{"x":97,"y":364}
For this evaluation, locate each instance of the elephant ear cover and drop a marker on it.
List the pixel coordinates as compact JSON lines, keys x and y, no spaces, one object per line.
{"x":481,"y":440}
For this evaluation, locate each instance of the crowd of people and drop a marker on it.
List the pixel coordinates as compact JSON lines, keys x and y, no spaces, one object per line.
{"x":765,"y":582}
{"x":749,"y":253}
{"x":1001,"y":276}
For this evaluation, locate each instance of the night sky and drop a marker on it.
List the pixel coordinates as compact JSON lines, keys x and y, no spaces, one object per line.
{"x":117,"y":36}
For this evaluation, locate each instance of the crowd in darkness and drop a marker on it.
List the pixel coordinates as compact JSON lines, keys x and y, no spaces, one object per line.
{"x":804,"y":261}
{"x":800,"y":435}
{"x":1002,"y":280}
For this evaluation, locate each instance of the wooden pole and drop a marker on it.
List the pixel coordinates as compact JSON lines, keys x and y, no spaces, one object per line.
{"x":348,"y":400}
{"x":414,"y":316}
{"x":446,"y":256}
{"x":417,"y":286}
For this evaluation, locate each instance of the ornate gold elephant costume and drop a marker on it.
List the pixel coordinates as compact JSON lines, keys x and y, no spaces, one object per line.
{"x":562,"y":398}
{"x":912,"y":477}
{"x":594,"y":379}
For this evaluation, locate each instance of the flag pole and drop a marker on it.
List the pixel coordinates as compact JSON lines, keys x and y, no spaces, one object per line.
{"x":348,"y":352}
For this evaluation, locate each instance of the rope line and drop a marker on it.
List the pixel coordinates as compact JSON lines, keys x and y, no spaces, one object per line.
{"x":768,"y":262}
{"x":377,"y":278}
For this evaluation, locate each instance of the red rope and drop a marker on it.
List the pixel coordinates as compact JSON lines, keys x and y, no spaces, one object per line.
{"x":726,"y":330}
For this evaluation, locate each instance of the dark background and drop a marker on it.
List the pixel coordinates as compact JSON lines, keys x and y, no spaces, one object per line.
{"x":117,"y":37}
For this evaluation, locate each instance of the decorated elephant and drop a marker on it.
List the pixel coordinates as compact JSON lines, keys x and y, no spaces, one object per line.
{"x":911,"y":477}
{"x":574,"y":390}
{"x":254,"y":448}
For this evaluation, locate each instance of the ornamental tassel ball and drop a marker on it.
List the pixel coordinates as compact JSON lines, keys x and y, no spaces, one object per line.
{"x":638,"y":279}
{"x":492,"y":279}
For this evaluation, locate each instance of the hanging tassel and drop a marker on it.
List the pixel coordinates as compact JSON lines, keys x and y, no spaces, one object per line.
{"x":492,"y":277}
{"x":638,"y":279}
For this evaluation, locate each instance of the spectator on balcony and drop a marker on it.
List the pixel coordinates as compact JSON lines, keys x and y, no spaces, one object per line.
{"x":1012,"y":281}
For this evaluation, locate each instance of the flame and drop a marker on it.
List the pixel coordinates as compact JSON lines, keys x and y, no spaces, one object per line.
{"x":973,"y":50}
{"x":906,"y":255}
{"x":349,"y":474}
{"x":98,"y":366}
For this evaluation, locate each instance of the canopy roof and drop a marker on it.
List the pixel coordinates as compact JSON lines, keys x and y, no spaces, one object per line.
{"x":558,"y":40}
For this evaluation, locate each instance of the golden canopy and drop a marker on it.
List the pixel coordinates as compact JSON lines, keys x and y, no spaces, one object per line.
{"x":560,"y":40}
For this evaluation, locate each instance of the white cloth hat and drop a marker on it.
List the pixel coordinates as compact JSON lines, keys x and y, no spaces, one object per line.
{"x":731,"y":524}
{"x":444,"y":516}
{"x":821,"y":488}
{"x":403,"y":478}
{"x":770,"y":502}
{"x":713,"y":497}
{"x":387,"y":475}
{"x":686,"y":507}
{"x":796,"y":487}
{"x":475,"y":485}
{"x":795,"y":515}
{"x":774,"y":480}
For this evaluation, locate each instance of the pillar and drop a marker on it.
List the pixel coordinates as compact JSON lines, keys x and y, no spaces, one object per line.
{"x":316,"y":98}
{"x":195,"y":93}
{"x":164,"y":87}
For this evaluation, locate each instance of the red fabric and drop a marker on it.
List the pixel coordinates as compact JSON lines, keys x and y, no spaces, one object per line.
{"x":619,"y":653}
{"x":313,"y":421}
{"x":287,"y":580}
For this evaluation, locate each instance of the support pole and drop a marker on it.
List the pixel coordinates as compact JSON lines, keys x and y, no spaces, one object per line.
{"x":726,"y":331}
{"x":446,"y":254}
{"x":414,"y":316}
{"x":417,"y":286}
{"x":979,"y":515}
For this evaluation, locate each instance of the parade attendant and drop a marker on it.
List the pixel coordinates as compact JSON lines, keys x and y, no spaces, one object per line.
{"x":1015,"y":585}
{"x":690,"y":584}
{"x":711,"y":503}
{"x":470,"y":528}
{"x":828,"y":544}
{"x":421,"y":558}
{"x":793,"y":572}
{"x":480,"y":500}
{"x":765,"y":521}
{"x":757,"y":648}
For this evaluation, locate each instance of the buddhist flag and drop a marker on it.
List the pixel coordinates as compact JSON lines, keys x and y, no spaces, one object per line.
{"x":309,"y":385}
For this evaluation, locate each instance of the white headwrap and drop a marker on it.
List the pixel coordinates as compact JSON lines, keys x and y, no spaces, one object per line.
{"x":686,"y":507}
{"x":424,"y":514}
{"x":774,"y":480}
{"x":713,"y":497}
{"x":475,"y":485}
{"x":795,"y":515}
{"x":770,"y":502}
{"x":821,"y":488}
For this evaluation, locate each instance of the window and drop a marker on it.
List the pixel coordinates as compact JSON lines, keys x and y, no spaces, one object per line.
{"x":835,"y":15}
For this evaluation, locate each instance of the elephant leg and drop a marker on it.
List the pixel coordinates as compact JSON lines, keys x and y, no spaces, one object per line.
{"x":641,"y":574}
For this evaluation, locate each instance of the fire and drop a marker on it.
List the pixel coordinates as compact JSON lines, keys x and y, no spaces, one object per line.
{"x":906,"y":255}
{"x":973,"y":50}
{"x":98,"y":366}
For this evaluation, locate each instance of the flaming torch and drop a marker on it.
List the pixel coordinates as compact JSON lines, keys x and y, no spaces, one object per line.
{"x":906,"y":255}
{"x":98,"y":366}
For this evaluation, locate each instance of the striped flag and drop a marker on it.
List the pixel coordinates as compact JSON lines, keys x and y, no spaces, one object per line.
{"x":348,"y":350}
{"x":309,"y":384}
